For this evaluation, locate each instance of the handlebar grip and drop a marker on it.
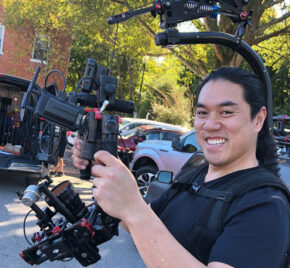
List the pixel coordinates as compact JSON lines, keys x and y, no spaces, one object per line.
{"x":86,"y":173}
{"x":121,"y":106}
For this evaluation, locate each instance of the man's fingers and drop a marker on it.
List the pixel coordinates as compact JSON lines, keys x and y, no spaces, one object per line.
{"x":100,"y":171}
{"x":80,"y":163}
{"x":104,"y":157}
{"x":78,"y":143}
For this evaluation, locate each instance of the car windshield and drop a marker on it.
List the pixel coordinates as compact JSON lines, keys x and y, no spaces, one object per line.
{"x":137,"y":131}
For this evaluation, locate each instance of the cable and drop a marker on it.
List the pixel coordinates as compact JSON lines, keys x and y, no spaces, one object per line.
{"x":82,"y":79}
{"x":62,"y":76}
{"x":24,"y":232}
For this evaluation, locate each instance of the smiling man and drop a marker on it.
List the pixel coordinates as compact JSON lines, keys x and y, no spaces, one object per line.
{"x":224,"y":128}
{"x":231,"y":212}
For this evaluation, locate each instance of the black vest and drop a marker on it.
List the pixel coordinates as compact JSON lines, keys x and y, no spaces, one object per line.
{"x":209,"y":224}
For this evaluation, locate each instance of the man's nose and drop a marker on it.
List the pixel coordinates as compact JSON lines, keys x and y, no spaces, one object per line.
{"x":212,"y":123}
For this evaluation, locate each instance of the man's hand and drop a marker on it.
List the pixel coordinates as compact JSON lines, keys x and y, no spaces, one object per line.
{"x":77,"y":161}
{"x":116,"y":188}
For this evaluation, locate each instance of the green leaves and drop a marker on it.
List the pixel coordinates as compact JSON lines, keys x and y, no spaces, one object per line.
{"x":85,"y":23}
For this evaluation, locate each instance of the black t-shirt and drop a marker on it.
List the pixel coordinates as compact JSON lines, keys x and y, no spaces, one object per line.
{"x":257,"y":225}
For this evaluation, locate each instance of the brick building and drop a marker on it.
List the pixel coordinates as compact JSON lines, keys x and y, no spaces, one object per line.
{"x":21,"y":51}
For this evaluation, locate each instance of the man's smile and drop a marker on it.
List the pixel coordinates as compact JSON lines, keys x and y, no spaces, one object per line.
{"x":215,"y":140}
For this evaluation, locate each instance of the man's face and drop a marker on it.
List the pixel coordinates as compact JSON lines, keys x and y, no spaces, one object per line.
{"x":224,"y":129}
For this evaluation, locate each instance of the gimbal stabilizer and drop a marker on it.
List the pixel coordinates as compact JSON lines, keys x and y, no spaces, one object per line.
{"x":82,"y":228}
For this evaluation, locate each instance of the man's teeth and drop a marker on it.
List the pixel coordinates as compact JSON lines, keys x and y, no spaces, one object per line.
{"x":216,"y":141}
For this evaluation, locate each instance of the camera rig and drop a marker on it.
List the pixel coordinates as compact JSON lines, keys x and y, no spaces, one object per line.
{"x":75,"y":235}
{"x":82,"y":228}
{"x":100,"y":130}
{"x":79,"y":232}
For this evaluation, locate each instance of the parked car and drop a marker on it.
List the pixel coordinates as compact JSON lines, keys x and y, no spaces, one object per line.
{"x":19,"y":131}
{"x":128,"y":128}
{"x":126,"y":120}
{"x":127,"y":144}
{"x":152,"y":156}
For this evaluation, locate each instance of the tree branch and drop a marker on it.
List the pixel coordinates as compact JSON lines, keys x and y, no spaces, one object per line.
{"x":195,"y":61}
{"x":186,"y":63}
{"x":271,"y":3}
{"x":271,"y":23}
{"x":268,"y":36}
{"x":215,"y":48}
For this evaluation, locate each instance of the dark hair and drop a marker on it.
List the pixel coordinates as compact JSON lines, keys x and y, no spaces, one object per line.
{"x":254,"y":95}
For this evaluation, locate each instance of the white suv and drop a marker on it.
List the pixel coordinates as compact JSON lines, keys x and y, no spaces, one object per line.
{"x":152,"y":155}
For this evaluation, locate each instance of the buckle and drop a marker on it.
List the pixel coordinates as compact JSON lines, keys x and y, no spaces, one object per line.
{"x":223,"y":196}
{"x":195,"y":187}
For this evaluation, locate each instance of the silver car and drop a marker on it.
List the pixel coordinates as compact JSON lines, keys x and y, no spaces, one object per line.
{"x":152,"y":156}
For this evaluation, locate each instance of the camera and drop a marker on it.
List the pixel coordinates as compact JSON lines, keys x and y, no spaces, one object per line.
{"x":78,"y":229}
{"x":68,"y":228}
{"x":98,"y":91}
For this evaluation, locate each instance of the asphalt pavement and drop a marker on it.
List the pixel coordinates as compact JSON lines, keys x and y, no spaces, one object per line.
{"x":118,"y":252}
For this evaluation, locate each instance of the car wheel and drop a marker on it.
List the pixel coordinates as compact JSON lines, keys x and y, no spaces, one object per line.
{"x":144,"y":176}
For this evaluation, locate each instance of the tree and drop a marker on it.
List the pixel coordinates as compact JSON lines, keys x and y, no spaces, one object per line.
{"x":92,"y":37}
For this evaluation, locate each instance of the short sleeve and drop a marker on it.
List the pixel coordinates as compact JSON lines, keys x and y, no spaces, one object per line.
{"x":257,"y":231}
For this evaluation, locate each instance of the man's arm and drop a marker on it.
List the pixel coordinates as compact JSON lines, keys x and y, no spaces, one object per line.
{"x":156,"y":245}
{"x":117,"y":193}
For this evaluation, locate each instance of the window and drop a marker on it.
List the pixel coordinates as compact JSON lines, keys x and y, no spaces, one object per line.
{"x":2,"y":29}
{"x":168,"y":136}
{"x":153,"y":135}
{"x":41,"y":48}
{"x":190,"y":144}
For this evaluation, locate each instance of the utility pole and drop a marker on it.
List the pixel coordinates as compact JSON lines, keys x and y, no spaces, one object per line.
{"x":140,"y":90}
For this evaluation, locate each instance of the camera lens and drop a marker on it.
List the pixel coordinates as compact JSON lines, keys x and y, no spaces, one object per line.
{"x":31,"y":195}
{"x":70,"y":198}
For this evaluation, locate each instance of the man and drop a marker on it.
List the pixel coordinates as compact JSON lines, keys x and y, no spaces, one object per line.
{"x":231,"y":129}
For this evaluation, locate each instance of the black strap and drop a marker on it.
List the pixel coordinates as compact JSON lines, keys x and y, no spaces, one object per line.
{"x":182,"y":183}
{"x":210,"y":222}
{"x":238,"y":187}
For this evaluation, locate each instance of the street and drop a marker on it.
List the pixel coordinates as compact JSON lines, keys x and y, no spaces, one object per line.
{"x":118,"y":252}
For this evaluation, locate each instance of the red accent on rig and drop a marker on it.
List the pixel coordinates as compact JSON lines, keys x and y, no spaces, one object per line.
{"x":37,"y":237}
{"x":56,"y":230}
{"x":283,"y":118}
{"x":244,"y":15}
{"x":158,"y":6}
{"x":287,"y":138}
{"x":120,"y":119}
{"x":22,"y":256}
{"x":85,"y":223}
{"x":98,"y":115}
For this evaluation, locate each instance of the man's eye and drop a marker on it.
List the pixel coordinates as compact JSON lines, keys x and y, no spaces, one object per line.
{"x":227,"y":112}
{"x":201,"y":113}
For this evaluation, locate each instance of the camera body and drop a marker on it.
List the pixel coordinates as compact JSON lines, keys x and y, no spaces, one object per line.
{"x":99,"y":129}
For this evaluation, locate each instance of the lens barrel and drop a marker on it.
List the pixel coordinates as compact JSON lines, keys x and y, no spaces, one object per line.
{"x":66,"y":193}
